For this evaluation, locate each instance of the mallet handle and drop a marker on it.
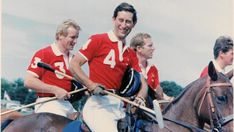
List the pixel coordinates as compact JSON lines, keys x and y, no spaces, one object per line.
{"x":48,"y":67}
{"x":50,"y":99}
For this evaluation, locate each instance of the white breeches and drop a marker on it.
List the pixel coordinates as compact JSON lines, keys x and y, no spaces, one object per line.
{"x":59,"y":107}
{"x":101,"y":113}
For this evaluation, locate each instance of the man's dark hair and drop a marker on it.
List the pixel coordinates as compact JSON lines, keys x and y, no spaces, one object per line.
{"x":223,"y":44}
{"x":126,"y":7}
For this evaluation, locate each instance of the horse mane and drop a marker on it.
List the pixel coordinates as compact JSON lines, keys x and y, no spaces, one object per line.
{"x":201,"y":81}
{"x":189,"y":86}
{"x":177,"y":98}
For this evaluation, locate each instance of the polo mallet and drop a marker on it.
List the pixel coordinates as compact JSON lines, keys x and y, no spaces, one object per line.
{"x":44,"y":101}
{"x":48,"y":67}
{"x":158,"y":113}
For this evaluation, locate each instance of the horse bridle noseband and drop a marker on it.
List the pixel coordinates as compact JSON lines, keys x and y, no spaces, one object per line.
{"x":216,"y":119}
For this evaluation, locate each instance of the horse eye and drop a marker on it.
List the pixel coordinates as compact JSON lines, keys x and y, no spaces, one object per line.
{"x":221,"y":99}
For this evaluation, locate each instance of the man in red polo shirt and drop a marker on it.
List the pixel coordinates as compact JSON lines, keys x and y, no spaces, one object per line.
{"x":144,"y":47}
{"x":48,"y":84}
{"x":223,"y":55}
{"x":108,"y":58}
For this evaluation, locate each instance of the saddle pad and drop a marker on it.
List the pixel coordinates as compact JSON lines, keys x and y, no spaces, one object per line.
{"x":74,"y":126}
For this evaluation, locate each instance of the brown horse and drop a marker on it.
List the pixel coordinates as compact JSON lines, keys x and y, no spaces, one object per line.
{"x":206,"y":100}
{"x":42,"y":122}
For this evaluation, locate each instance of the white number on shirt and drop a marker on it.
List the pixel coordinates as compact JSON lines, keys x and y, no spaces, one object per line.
{"x":36,"y":60}
{"x":110,"y":59}
{"x":60,"y":65}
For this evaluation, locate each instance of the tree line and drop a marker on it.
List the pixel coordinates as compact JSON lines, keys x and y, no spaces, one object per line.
{"x":17,"y":91}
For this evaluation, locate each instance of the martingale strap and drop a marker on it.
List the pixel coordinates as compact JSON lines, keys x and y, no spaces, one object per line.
{"x":181,"y":123}
{"x":185,"y":124}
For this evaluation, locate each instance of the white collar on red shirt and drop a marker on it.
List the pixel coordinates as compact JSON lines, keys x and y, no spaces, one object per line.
{"x":145,"y":70}
{"x":217,"y":67}
{"x":55,"y":49}
{"x":57,"y":52}
{"x":113,"y":38}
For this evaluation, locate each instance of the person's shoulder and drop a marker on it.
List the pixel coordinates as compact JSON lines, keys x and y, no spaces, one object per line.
{"x":99,"y":36}
{"x":46,"y":49}
{"x":153,"y":68}
{"x":204,"y":72}
{"x":130,"y":50}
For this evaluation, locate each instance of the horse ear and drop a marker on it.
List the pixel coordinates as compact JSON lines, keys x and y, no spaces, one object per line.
{"x":212,"y":72}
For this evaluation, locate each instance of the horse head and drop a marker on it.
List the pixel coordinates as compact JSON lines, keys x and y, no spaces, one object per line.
{"x":214,"y":102}
{"x":205,"y":100}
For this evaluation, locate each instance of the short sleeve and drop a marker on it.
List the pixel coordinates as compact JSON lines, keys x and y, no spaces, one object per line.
{"x":89,"y":49}
{"x":39,"y":56}
{"x":134,"y":60}
{"x":204,"y":72}
{"x":153,"y":77}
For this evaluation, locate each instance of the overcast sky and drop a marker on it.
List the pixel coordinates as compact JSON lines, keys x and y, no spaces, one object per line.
{"x":183,"y":31}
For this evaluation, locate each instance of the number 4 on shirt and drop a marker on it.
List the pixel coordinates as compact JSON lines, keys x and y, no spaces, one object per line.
{"x":110,"y":59}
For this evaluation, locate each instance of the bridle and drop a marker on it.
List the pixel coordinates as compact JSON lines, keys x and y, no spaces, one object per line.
{"x":216,"y":119}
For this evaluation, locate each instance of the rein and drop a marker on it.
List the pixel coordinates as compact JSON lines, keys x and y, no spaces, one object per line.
{"x":181,"y":123}
{"x":226,"y":119}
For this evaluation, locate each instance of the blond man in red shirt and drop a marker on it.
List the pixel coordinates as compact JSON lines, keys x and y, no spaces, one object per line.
{"x":48,"y":84}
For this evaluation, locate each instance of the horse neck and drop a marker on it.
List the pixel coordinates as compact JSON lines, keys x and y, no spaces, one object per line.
{"x":182,"y":108}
